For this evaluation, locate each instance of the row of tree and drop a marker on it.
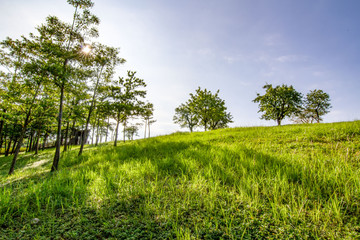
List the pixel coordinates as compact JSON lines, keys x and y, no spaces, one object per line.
{"x":208,"y":110}
{"x":54,"y":86}
{"x":284,"y":101}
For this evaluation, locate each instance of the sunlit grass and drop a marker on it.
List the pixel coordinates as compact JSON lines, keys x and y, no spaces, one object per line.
{"x":299,"y":181}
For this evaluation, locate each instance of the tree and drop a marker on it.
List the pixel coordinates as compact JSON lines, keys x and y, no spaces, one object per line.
{"x":279,"y":102}
{"x":147,"y":114}
{"x":105,"y":60}
{"x":203,"y":109}
{"x":61,"y":43}
{"x":131,"y":131}
{"x":185,"y":116}
{"x":317,"y":103}
{"x":125,"y":100}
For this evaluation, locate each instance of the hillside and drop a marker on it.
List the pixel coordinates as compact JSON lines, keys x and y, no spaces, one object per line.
{"x":296,"y":181}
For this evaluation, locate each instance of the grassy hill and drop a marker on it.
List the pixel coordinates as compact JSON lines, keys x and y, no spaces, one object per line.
{"x":289,"y":182}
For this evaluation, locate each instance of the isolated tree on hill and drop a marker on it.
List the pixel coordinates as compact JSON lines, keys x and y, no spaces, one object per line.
{"x":185,"y":116}
{"x":205,"y":109}
{"x":317,"y":103}
{"x":279,"y":102}
{"x":210,"y":109}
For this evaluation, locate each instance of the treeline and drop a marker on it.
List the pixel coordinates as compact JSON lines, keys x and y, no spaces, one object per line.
{"x":58,"y":88}
{"x":207,"y":110}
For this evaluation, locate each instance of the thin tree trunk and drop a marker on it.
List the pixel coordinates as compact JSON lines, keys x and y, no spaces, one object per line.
{"x":7,"y":150}
{"x":124,"y":131}
{"x":107,"y":130}
{"x":146,"y":122}
{"x":92,"y":106}
{"x":13,"y":147}
{"x":66,"y":136}
{"x":27,"y":144}
{"x":56,"y":160}
{"x":116,"y":132}
{"x":97,"y":132}
{"x":20,"y":141}
{"x":37,"y":143}
{"x":31,"y":140}
{"x":1,"y":130}
{"x":45,"y":139}
{"x":149,"y":129}
{"x":36,"y":136}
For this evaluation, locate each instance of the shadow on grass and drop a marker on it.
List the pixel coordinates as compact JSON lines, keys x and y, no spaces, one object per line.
{"x":68,"y":192}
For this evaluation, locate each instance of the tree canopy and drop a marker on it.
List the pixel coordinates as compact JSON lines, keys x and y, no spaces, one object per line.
{"x":278,"y":102}
{"x":203,"y":109}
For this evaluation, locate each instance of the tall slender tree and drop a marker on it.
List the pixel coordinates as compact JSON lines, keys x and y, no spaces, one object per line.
{"x":61,"y":45}
{"x":105,"y":60}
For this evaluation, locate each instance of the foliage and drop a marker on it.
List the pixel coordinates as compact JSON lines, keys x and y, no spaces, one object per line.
{"x":294,"y":182}
{"x":185,"y":116}
{"x":279,"y":102}
{"x":316,"y":104}
{"x":125,"y":98}
{"x":203,"y":109}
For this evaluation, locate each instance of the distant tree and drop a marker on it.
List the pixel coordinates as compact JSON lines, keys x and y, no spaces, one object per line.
{"x":124,"y":96}
{"x":279,"y":102}
{"x":147,"y":114}
{"x":131,"y":131}
{"x":185,"y":116}
{"x":203,"y":109}
{"x":317,"y":103}
{"x":210,"y":109}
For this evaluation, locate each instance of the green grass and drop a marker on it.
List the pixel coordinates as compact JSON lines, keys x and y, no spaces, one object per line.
{"x":289,"y":182}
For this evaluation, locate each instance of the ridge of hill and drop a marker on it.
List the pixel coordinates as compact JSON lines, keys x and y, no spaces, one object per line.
{"x":288,"y":182}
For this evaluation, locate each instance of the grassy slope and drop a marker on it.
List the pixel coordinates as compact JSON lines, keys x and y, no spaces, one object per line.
{"x":299,"y":181}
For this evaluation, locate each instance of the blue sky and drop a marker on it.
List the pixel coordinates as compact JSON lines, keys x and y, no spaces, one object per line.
{"x":233,"y":45}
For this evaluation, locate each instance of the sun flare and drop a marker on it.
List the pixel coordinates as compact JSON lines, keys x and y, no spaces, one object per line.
{"x":86,"y":49}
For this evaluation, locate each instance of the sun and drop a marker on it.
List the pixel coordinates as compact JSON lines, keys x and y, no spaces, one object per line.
{"x":86,"y":49}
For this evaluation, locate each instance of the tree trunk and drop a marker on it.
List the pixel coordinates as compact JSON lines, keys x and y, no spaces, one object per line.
{"x":7,"y":150}
{"x":107,"y":129}
{"x":13,"y":147}
{"x":56,"y":160}
{"x":1,"y":129}
{"x":149,"y":129}
{"x":37,"y":143}
{"x":45,"y":139}
{"x":66,"y":136}
{"x":97,"y":132}
{"x":36,"y":136}
{"x":278,"y":122}
{"x":116,"y":132}
{"x":124,"y":131}
{"x":92,"y":106}
{"x":20,"y":141}
{"x":31,"y":140}
{"x":146,"y":122}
